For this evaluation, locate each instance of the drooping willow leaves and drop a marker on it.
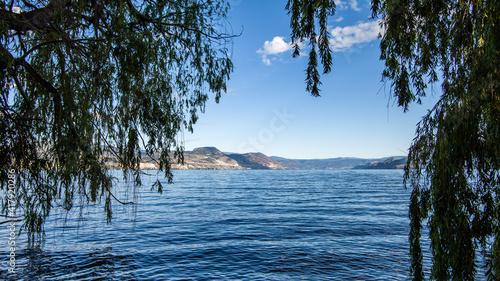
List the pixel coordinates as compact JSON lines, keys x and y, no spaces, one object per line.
{"x":306,"y":16}
{"x":89,"y":84}
{"x":454,"y":161}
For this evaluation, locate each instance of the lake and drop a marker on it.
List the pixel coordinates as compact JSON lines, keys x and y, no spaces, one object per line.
{"x":233,"y":225}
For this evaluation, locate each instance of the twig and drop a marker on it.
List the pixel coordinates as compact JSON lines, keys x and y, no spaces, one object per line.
{"x":10,"y":221}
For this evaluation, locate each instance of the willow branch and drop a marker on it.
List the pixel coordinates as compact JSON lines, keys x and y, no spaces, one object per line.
{"x":9,"y":221}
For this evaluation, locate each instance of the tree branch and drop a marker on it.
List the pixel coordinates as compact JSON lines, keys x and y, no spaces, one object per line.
{"x":33,"y":20}
{"x":160,"y":24}
{"x":10,"y":221}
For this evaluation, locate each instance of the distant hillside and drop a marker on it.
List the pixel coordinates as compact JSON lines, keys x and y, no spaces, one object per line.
{"x":341,"y":163}
{"x":207,"y":158}
{"x":391,"y":163}
{"x":204,"y":158}
{"x":212,"y":158}
{"x":291,"y":164}
{"x":256,"y":161}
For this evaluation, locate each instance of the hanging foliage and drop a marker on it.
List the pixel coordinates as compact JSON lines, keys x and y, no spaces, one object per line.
{"x":454,"y":161}
{"x":89,"y":83}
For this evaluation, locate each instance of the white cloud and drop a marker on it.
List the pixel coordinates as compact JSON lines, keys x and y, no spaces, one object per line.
{"x":265,"y":60}
{"x":343,"y":38}
{"x":344,"y":5}
{"x":339,"y":19}
{"x":274,"y":47}
{"x":339,"y":4}
{"x":354,"y":5}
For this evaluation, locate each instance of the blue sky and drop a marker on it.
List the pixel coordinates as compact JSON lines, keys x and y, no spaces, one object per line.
{"x":268,"y":110}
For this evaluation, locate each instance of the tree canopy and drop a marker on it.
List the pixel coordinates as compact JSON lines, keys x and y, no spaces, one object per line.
{"x":454,"y":161}
{"x":84,"y":83}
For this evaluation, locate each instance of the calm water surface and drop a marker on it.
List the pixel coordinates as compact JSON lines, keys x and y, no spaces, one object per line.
{"x":233,"y":225}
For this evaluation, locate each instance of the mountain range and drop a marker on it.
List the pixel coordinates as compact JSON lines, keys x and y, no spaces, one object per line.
{"x":212,"y":158}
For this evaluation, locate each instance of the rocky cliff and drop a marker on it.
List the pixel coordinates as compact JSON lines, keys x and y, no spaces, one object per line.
{"x":208,"y":158}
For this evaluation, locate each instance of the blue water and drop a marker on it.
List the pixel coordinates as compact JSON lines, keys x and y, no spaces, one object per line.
{"x":233,"y":225}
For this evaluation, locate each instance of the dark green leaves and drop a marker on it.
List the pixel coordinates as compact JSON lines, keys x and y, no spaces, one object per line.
{"x":305,"y":15}
{"x":89,"y":85}
{"x":454,"y":161}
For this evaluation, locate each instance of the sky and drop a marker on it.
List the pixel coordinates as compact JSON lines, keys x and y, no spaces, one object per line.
{"x":267,"y":109}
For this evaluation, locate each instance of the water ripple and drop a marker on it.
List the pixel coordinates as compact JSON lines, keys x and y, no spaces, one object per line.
{"x":236,"y":225}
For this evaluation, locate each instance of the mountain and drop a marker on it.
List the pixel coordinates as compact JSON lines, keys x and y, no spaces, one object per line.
{"x":204,"y":158}
{"x":207,"y":158}
{"x":391,"y":163}
{"x":256,"y":161}
{"x":341,"y":163}
{"x":291,"y":164}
